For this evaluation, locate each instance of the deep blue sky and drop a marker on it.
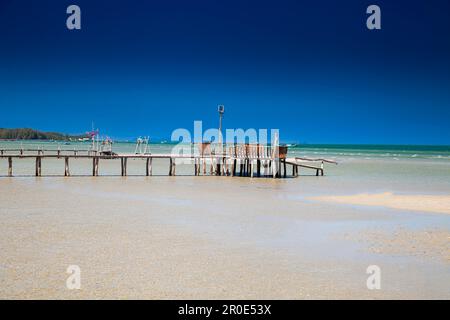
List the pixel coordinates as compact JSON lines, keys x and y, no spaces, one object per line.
{"x":309,"y":68}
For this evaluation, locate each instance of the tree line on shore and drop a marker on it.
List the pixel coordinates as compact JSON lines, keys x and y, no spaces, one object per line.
{"x":31,"y":134}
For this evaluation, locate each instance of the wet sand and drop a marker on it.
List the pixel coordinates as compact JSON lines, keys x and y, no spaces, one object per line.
{"x":209,"y":238}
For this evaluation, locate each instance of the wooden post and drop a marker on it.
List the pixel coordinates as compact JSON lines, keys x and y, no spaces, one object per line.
{"x":147,"y":167}
{"x":279,"y":168}
{"x":151,"y":166}
{"x":284,"y":165}
{"x":274,"y":168}
{"x":93,"y":166}
{"x":123,"y":162}
{"x":37,"y":167}
{"x":226,"y":168}
{"x":66,"y":167}
{"x":218,"y":169}
{"x":10,"y":172}
{"x":195,"y":166}
{"x":258,"y":167}
{"x":170,"y":167}
{"x":97,"y":161}
{"x":174,"y":165}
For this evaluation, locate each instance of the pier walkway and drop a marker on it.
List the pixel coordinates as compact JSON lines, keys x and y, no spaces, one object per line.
{"x":243,"y":160}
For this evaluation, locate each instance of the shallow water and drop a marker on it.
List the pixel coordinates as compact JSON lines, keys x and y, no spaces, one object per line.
{"x":220,"y":237}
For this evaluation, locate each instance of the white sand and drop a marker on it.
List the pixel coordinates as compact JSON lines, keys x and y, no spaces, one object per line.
{"x":427,"y":203}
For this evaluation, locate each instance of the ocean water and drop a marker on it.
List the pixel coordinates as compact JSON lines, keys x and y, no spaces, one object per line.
{"x":360,"y":168}
{"x":335,"y":152}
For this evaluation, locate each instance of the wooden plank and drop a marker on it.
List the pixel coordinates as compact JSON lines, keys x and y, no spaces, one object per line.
{"x":316,"y":160}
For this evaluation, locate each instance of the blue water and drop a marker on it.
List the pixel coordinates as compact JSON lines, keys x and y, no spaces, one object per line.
{"x":324,"y":150}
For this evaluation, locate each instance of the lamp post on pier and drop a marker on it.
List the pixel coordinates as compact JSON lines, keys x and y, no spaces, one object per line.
{"x":221,"y":110}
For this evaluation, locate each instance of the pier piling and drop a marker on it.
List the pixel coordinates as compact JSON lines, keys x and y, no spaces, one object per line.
{"x":149,"y":167}
{"x":37,"y":167}
{"x":66,"y":167}
{"x":123,"y":161}
{"x":95,"y":161}
{"x":10,"y":171}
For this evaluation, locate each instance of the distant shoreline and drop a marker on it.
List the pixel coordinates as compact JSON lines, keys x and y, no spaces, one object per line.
{"x":28,"y":134}
{"x":33,"y":134}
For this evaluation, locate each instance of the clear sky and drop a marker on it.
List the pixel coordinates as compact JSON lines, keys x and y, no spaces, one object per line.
{"x":310,"y":68}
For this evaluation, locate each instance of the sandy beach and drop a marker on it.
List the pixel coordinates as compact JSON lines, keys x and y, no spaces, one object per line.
{"x":191,"y":237}
{"x":427,"y":203}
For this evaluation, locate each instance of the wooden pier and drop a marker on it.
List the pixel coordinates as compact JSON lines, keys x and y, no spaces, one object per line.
{"x":243,"y":160}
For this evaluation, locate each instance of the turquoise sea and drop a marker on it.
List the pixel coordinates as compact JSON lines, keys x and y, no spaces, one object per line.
{"x":332,"y":151}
